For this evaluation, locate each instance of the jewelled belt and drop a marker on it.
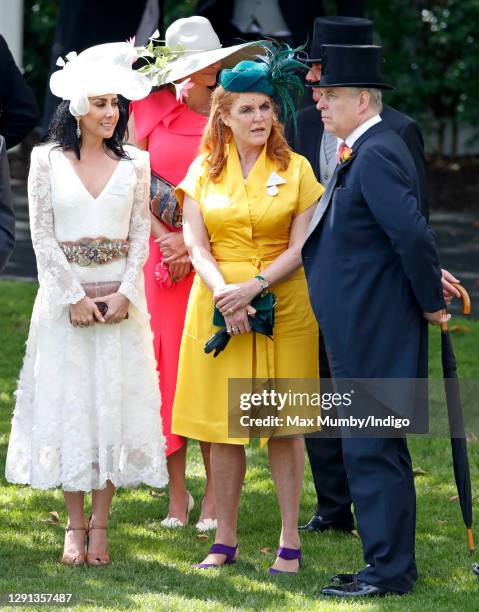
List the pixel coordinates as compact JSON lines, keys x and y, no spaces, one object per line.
{"x":101,"y":250}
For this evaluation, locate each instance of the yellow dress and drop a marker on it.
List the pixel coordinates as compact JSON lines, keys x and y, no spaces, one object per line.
{"x":248,"y":225}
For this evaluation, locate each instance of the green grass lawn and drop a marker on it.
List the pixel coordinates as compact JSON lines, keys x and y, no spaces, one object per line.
{"x":151,"y":565}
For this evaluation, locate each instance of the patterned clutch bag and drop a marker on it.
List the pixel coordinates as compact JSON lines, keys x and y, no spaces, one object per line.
{"x":163,"y":202}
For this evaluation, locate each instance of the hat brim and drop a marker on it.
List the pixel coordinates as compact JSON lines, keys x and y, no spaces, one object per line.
{"x":116,"y":80}
{"x":313,"y":60}
{"x":373,"y":84}
{"x":229,"y":56}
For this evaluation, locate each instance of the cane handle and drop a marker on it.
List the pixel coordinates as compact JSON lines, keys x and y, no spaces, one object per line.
{"x":466,"y":300}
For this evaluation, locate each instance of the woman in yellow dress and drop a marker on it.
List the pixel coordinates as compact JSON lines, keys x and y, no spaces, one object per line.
{"x":247,"y":202}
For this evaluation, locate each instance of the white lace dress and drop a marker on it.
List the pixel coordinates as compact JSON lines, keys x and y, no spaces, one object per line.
{"x":87,"y":404}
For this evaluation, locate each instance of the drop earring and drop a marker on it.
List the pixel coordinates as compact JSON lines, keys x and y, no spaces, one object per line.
{"x":78,"y":128}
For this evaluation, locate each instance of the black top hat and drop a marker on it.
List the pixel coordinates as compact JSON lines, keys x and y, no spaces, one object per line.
{"x":339,"y":31}
{"x":351,"y":66}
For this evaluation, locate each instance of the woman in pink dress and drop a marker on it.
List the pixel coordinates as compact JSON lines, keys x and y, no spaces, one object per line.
{"x":169,"y":125}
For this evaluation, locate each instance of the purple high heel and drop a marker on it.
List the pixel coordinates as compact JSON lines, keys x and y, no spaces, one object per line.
{"x":219,"y":549}
{"x":288,"y":554}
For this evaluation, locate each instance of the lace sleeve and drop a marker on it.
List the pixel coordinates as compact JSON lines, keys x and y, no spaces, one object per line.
{"x":138,"y":234}
{"x":59,"y":285}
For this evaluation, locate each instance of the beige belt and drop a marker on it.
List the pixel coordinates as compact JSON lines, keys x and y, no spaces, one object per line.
{"x":101,"y":250}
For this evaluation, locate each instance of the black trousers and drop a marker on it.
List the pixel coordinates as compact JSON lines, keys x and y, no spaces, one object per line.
{"x":375,"y":474}
{"x":327,"y":466}
{"x":381,"y":483}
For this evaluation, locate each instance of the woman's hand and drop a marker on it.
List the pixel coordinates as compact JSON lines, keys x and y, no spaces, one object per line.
{"x":179,"y":269}
{"x":117,"y":307}
{"x":238,"y":322}
{"x":233,"y":297}
{"x":85,"y":313}
{"x":172,"y":246}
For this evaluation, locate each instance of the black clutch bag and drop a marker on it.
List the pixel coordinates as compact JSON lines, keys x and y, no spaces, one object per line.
{"x":163,"y":202}
{"x":262,"y":322}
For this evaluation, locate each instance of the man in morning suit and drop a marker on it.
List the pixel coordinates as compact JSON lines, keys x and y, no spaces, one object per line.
{"x":374,"y":282}
{"x":333,"y":510}
{"x":7,"y":218}
{"x":18,"y":107}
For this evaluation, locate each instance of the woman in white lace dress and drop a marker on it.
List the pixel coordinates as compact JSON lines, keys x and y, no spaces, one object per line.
{"x":86,"y":416}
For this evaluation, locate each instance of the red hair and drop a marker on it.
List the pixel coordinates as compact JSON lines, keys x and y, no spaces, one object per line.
{"x":217,"y":135}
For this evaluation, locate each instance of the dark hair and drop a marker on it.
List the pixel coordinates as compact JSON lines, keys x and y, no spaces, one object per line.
{"x":62,"y":131}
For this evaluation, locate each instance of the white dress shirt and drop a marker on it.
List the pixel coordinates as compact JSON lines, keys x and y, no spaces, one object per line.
{"x":359,"y":131}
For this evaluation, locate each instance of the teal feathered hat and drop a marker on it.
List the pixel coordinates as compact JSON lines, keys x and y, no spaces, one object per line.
{"x":276,"y":74}
{"x":248,"y":76}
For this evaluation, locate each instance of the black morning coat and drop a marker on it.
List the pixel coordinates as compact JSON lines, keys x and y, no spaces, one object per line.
{"x":307,"y":140}
{"x":7,"y":218}
{"x":372,"y":266}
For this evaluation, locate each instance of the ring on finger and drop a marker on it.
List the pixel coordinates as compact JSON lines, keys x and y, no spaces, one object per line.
{"x":230,"y":311}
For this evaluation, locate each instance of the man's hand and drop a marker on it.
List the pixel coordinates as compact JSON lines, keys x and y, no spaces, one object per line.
{"x":437,"y":318}
{"x":450,"y":292}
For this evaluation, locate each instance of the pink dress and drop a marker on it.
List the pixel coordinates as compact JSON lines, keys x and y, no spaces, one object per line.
{"x":174,"y":133}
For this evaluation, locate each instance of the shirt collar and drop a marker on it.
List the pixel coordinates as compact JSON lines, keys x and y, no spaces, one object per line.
{"x":360,"y":130}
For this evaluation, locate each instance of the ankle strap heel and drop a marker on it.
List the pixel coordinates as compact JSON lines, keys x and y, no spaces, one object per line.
{"x":288,"y":554}
{"x":219,"y":549}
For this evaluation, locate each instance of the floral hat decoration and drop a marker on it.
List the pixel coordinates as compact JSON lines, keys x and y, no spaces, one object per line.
{"x":102,"y":69}
{"x":190,"y":45}
{"x":275,"y":73}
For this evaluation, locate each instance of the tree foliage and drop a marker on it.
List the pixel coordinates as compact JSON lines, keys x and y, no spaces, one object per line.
{"x":432,"y":57}
{"x":40,"y":17}
{"x":431,"y":50}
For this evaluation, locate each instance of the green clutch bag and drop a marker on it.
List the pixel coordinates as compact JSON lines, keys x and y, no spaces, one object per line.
{"x":264,"y":304}
{"x":262,"y":323}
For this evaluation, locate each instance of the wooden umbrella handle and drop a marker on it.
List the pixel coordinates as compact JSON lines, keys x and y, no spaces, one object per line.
{"x":466,"y":303}
{"x":466,"y":300}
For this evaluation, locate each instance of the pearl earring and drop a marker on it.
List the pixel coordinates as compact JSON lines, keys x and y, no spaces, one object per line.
{"x":78,"y":128}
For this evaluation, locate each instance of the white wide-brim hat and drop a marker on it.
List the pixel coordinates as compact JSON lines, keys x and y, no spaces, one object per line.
{"x":200,"y":47}
{"x":99,"y":70}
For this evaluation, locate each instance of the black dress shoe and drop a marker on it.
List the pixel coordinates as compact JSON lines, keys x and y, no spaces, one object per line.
{"x":344,"y":578}
{"x":319,"y":524}
{"x":357,"y":588}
